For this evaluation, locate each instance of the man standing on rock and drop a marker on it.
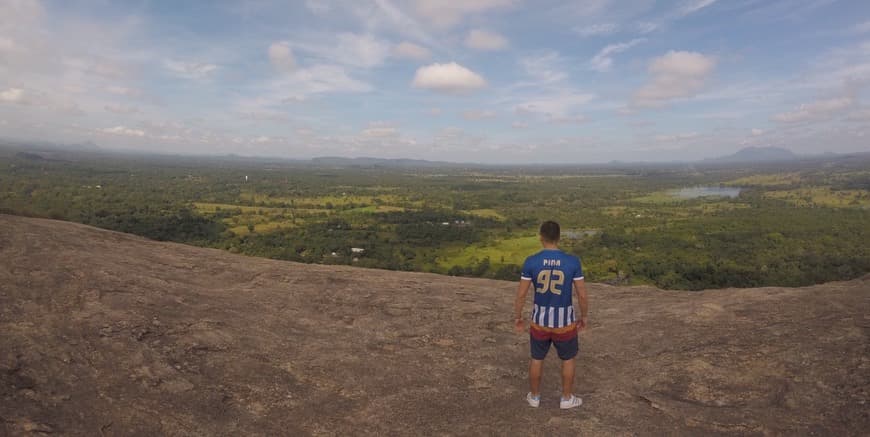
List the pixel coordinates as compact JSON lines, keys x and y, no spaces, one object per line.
{"x":555,"y":275}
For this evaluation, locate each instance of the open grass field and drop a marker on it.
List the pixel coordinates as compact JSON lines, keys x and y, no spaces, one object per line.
{"x":502,"y":251}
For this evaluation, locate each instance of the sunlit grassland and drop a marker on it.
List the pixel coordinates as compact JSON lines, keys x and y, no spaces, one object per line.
{"x":334,"y":200}
{"x":500,"y":251}
{"x":376,"y":209}
{"x":210,"y":208}
{"x":486,"y":213}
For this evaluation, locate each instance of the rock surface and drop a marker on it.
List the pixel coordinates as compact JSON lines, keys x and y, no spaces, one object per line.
{"x":103,"y":333}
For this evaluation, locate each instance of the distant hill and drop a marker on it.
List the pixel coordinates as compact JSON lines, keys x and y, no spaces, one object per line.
{"x":103,"y":333}
{"x":46,"y":146}
{"x":757,"y":154}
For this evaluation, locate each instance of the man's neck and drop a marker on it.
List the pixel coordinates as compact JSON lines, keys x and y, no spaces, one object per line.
{"x":554,"y":246}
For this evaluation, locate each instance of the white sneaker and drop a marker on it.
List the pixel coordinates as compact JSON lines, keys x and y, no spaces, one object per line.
{"x":534,"y":402}
{"x":571,"y":402}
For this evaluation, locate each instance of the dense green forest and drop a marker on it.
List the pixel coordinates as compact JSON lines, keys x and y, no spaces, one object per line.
{"x":791,"y":224}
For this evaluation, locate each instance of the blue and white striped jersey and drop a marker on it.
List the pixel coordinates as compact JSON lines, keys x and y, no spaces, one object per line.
{"x":552,"y":273}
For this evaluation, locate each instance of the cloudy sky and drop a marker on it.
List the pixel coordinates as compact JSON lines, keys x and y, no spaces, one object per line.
{"x":498,"y":81}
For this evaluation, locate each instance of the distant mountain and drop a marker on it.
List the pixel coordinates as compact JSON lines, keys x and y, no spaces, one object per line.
{"x":758,"y":154}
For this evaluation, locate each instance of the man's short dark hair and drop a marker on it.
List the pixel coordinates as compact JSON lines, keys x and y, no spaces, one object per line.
{"x":550,"y":231}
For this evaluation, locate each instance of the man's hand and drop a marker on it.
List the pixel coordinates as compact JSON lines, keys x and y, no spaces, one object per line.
{"x":582,"y":323}
{"x":519,"y":326}
{"x":522,"y":290}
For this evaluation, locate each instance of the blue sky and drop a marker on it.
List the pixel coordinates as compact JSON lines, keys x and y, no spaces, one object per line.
{"x":496,"y":81}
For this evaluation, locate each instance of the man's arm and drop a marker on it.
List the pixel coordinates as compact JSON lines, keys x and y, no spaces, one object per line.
{"x":583,"y":301}
{"x":522,"y":291}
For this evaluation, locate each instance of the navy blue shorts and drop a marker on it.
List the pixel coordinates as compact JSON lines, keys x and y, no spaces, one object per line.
{"x":566,"y":349}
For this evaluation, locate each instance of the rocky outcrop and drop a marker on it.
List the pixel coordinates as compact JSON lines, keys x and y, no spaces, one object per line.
{"x":103,"y":333}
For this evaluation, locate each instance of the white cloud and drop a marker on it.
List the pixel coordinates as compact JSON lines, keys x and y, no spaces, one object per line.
{"x":447,"y":13}
{"x":265,"y":115}
{"x":93,"y":65}
{"x":693,"y":6}
{"x":8,"y":45}
{"x":456,"y":139}
{"x":269,"y":140}
{"x":859,"y":115}
{"x":317,"y":79}
{"x":676,"y":137}
{"x":435,"y":112}
{"x":603,"y":60}
{"x":124,"y":91}
{"x":473,"y":115}
{"x":318,"y":7}
{"x":69,"y":108}
{"x":861,"y":27}
{"x":350,"y":49}
{"x":281,"y":56}
{"x":544,"y":68}
{"x":190,"y":70}
{"x":362,"y":50}
{"x":596,"y":29}
{"x":12,"y":95}
{"x":645,"y":27}
{"x":757,"y":132}
{"x":449,"y":78}
{"x":19,"y":13}
{"x":816,"y":111}
{"x":568,"y":119}
{"x":484,"y":40}
{"x":124,"y":131}
{"x":385,"y":16}
{"x":411,"y":51}
{"x":686,"y":8}
{"x":674,"y":75}
{"x":554,"y":106}
{"x":120,"y":109}
{"x":295,"y":87}
{"x":519,"y":125}
{"x":377,"y":131}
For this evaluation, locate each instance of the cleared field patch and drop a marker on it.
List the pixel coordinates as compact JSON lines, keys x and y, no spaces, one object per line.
{"x":210,"y":208}
{"x":335,"y":201}
{"x":767,"y":180}
{"x":262,"y":227}
{"x":822,"y":196}
{"x":659,"y":197}
{"x":377,"y":209}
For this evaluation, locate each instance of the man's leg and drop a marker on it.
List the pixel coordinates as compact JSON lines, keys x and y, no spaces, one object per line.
{"x":535,"y":370}
{"x":567,"y":378}
{"x":567,"y":350}
{"x":538,"y":349}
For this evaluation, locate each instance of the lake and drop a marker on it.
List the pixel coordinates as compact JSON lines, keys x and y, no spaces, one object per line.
{"x":695,"y":192}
